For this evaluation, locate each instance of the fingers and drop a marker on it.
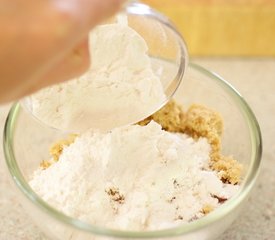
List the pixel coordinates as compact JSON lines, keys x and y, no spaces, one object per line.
{"x":74,"y":64}
{"x":86,"y":14}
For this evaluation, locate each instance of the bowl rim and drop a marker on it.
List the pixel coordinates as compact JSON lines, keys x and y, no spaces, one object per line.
{"x":218,"y":214}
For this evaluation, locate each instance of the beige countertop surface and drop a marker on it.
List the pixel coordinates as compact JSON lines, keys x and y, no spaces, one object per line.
{"x":255,"y":80}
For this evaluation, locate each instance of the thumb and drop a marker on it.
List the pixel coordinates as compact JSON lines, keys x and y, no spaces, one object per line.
{"x":73,"y":64}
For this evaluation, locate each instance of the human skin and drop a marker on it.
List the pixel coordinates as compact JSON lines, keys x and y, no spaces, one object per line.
{"x":43,"y":42}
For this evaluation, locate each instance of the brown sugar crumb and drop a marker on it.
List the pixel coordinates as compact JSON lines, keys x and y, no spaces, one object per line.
{"x":56,"y":149}
{"x":171,"y":117}
{"x":199,"y":121}
{"x":115,"y":195}
{"x":204,"y":122}
{"x":45,"y":164}
{"x":229,"y":170}
{"x":207,"y":208}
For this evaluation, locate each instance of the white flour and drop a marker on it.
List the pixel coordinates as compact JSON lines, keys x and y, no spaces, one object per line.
{"x":133,"y":178}
{"x":120,"y":87}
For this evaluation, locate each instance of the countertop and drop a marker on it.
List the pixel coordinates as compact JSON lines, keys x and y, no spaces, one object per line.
{"x":255,"y":80}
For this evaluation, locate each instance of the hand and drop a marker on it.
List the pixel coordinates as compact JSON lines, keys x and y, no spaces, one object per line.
{"x":43,"y":42}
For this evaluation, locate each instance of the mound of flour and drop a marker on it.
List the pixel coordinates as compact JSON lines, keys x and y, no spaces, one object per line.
{"x":133,"y":178}
{"x":119,"y":88}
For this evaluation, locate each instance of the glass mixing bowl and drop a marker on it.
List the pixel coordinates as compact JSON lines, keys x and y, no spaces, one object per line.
{"x":26,"y":143}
